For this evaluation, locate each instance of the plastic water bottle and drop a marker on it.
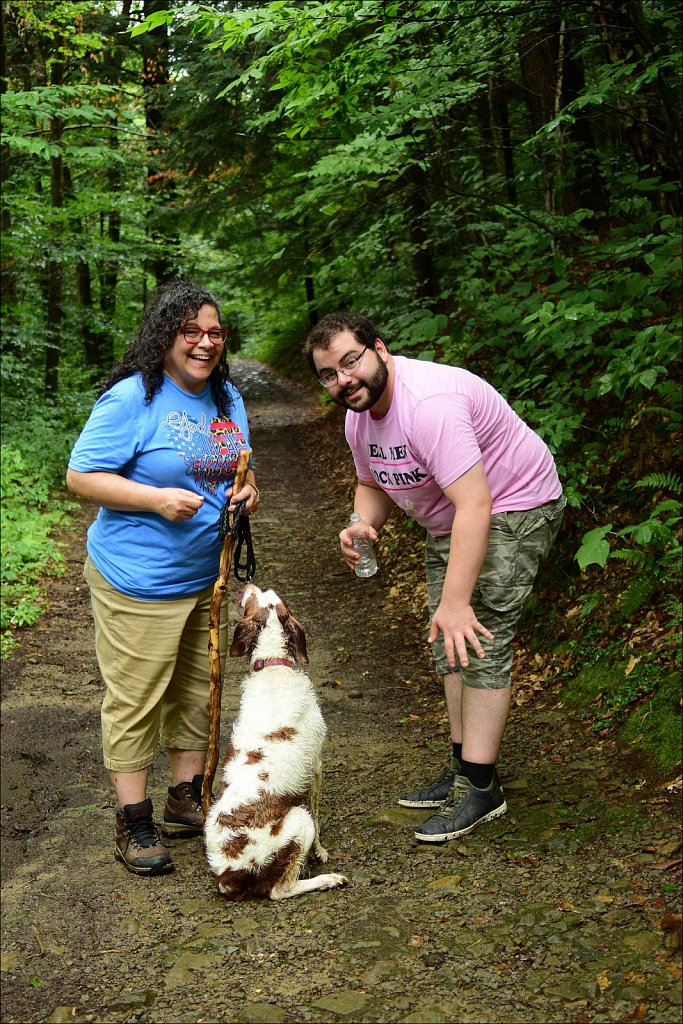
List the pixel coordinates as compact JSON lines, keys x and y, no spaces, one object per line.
{"x":367,"y":566}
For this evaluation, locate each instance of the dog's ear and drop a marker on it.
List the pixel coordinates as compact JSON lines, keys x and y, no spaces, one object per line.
{"x":247,"y":630}
{"x":244,"y":638}
{"x":295,"y":638}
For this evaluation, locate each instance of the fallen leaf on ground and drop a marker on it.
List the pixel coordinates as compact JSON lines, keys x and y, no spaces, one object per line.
{"x":672,"y":926}
{"x":639,"y":1012}
{"x":668,"y":865}
{"x":8,"y":959}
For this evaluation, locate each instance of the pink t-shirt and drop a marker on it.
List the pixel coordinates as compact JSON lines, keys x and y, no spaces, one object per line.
{"x":442,"y":421}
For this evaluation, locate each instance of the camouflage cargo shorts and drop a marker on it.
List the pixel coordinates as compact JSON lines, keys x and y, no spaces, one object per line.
{"x":517,"y":543}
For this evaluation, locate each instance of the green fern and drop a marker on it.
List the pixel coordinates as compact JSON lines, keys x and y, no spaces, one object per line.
{"x":670,"y":393}
{"x":633,"y":555}
{"x":615,"y":424}
{"x":637,"y":594}
{"x":662,"y":482}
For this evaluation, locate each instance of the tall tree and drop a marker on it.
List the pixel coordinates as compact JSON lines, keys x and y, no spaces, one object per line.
{"x":54,"y":285}
{"x":640,"y":55}
{"x":552,"y":77}
{"x":155,"y":80}
{"x":8,"y":283}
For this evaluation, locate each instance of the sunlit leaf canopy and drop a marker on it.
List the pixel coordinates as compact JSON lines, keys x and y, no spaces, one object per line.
{"x":494,"y":183}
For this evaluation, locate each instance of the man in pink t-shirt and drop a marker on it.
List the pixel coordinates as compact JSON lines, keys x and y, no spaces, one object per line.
{"x":446,"y":447}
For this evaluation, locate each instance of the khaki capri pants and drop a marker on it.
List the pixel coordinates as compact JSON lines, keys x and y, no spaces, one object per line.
{"x":517,"y":543}
{"x":153,"y":656}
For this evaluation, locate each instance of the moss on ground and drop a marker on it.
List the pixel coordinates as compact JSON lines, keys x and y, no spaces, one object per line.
{"x":643,"y":706}
{"x":655,"y":725}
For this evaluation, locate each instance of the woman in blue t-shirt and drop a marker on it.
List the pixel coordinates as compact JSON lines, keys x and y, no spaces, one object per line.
{"x":158,"y":454}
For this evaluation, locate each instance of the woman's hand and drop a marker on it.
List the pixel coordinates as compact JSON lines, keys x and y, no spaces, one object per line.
{"x":249,"y":494}
{"x":120,"y":494}
{"x":177,"y":504}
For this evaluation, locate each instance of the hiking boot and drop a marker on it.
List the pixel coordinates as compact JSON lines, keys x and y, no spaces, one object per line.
{"x":183,"y":811}
{"x":138,"y":845}
{"x":465,"y":808}
{"x":434,"y":795}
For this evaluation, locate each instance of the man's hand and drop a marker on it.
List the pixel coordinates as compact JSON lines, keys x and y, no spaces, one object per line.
{"x":374,"y":508}
{"x":454,"y":617}
{"x":349,"y":553}
{"x":460,"y":627}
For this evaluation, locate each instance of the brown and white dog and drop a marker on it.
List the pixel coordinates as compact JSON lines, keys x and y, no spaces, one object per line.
{"x":264,"y":823}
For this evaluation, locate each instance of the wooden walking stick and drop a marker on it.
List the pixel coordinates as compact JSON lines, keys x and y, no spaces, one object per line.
{"x":216,"y":683}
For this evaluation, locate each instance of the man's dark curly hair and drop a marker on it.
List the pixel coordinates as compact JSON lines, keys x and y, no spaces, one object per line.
{"x":320,"y":336}
{"x":172,"y":306}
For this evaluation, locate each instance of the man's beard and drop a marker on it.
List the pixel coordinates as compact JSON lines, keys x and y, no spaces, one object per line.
{"x":374,"y":386}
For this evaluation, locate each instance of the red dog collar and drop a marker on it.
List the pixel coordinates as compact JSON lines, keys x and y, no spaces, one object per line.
{"x":265,"y":662}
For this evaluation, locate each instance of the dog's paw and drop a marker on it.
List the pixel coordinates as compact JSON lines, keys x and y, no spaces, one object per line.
{"x":334,"y":881}
{"x":319,"y":854}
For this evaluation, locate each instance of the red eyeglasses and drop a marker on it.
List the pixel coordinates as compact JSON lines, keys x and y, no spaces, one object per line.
{"x":216,"y":335}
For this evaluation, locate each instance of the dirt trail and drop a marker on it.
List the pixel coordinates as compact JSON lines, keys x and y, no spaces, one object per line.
{"x":552,"y":913}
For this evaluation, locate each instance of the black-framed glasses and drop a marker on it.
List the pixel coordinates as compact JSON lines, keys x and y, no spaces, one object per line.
{"x":348,"y":366}
{"x":216,"y":335}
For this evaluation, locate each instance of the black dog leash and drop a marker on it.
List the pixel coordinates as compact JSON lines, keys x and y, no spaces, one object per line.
{"x":241,"y":535}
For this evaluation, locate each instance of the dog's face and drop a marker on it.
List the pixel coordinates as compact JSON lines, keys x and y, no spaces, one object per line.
{"x":258,"y":609}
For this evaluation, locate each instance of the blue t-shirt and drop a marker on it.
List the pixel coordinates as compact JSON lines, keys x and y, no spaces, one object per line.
{"x":178,"y":440}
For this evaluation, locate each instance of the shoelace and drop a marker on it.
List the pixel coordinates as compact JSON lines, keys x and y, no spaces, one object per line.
{"x":428,"y":790}
{"x":186,"y":791}
{"x":455,"y":797}
{"x":143,"y":834}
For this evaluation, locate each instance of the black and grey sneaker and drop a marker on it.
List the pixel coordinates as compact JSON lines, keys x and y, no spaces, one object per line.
{"x":434,"y":795}
{"x":138,"y":846}
{"x":465,"y":808}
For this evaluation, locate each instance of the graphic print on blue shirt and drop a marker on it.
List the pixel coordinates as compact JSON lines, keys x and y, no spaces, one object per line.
{"x":209,"y":450}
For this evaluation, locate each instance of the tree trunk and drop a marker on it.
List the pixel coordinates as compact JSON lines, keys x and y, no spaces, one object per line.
{"x":108,"y":269}
{"x":310,"y":301}
{"x":652,"y":128}
{"x":154,"y":80}
{"x":494,"y":123}
{"x":55,"y":270}
{"x":89,"y":335}
{"x":8,"y":283}
{"x":551,"y":78}
{"x":501,"y":111}
{"x":417,"y":208}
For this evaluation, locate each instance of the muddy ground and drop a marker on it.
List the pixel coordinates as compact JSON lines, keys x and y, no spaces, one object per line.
{"x":552,"y":913}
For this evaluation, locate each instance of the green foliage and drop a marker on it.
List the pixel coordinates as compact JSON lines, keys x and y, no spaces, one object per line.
{"x":33,"y":515}
{"x":654,"y":542}
{"x":633,"y":697}
{"x":637,"y":594}
{"x":29,"y":550}
{"x":662,"y":481}
{"x":655,"y":724}
{"x":653,"y":550}
{"x":594,"y":548}
{"x":615,"y":703}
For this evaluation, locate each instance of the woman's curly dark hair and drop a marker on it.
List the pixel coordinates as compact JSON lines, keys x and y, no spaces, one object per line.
{"x":172,"y":306}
